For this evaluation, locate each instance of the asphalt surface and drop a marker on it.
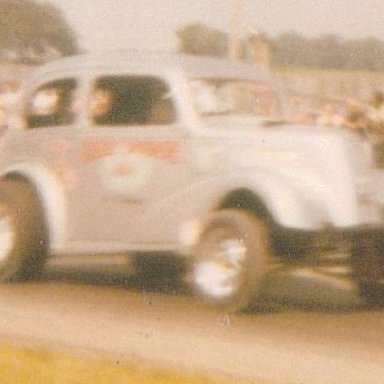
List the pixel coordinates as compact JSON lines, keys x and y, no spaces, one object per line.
{"x":322,"y":333}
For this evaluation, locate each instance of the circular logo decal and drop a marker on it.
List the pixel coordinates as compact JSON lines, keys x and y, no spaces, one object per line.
{"x":125,"y":173}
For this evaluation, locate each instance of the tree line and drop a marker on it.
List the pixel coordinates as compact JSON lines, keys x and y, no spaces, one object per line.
{"x":291,"y":49}
{"x":32,"y":31}
{"x":328,"y":52}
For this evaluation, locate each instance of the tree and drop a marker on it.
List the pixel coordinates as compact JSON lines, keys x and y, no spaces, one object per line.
{"x":366,"y":53}
{"x":290,"y":49}
{"x":199,"y":39}
{"x":31,"y":31}
{"x":328,"y":52}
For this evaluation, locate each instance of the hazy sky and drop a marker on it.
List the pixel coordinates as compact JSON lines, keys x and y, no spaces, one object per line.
{"x":151,"y":23}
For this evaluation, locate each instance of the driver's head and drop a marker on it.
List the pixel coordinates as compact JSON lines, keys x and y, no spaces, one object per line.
{"x":102,"y":102}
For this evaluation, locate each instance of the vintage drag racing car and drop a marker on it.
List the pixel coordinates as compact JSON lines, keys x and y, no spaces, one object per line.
{"x":139,"y":152}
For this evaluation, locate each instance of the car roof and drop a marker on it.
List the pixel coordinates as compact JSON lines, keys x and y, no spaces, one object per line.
{"x":153,"y":62}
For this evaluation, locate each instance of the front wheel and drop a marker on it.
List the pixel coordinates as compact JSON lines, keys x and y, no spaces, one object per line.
{"x":23,"y":235}
{"x":230,"y":260}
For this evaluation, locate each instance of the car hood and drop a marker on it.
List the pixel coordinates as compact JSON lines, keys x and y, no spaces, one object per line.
{"x":320,"y":163}
{"x":296,"y":151}
{"x":269,"y":134}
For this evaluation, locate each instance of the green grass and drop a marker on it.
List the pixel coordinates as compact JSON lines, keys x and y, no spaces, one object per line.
{"x":40,"y":366}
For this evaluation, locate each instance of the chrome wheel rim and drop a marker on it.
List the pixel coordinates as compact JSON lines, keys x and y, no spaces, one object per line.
{"x":7,"y":236}
{"x":218,"y":272}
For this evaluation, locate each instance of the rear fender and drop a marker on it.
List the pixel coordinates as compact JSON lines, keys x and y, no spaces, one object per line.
{"x":50,"y":193}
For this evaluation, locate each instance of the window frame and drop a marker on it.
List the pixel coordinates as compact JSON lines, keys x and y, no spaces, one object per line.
{"x":72,"y":89}
{"x":100,"y":78}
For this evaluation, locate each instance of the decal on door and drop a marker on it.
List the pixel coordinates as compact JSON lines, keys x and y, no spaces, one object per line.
{"x":125,"y":173}
{"x":126,"y":167}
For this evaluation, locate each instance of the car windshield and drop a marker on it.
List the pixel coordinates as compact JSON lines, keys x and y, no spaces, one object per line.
{"x":235,"y":97}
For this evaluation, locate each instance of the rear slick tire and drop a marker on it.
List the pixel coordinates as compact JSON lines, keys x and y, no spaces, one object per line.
{"x":230,"y":261}
{"x":23,"y":234}
{"x":368,"y":268}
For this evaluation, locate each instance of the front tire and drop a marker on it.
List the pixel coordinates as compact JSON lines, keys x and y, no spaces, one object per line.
{"x":230,"y":260}
{"x":23,"y":234}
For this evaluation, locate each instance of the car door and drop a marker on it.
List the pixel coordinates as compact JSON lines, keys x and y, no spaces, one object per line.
{"x":134,"y":159}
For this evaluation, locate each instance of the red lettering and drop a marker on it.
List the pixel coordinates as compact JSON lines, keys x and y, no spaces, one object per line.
{"x":163,"y":150}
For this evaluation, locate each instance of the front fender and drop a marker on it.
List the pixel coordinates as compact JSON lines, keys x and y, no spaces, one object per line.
{"x":285,"y":201}
{"x":178,"y":217}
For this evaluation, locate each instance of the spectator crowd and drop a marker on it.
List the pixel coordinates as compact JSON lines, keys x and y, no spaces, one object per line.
{"x":359,"y":117}
{"x":8,"y":95}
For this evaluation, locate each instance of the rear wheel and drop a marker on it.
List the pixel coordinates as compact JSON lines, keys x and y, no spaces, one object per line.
{"x":230,"y":260}
{"x":368,"y":267}
{"x":23,"y":235}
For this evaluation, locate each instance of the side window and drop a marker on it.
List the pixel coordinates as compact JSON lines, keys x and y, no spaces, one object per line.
{"x":131,"y":100}
{"x":51,"y":105}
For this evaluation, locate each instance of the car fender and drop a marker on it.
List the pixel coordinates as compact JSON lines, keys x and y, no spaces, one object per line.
{"x":50,"y":193}
{"x":286,"y":202}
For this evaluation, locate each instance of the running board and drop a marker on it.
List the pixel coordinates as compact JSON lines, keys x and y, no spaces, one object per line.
{"x":112,"y":261}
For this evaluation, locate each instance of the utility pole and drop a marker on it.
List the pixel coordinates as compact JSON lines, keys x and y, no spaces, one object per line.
{"x":234,"y":32}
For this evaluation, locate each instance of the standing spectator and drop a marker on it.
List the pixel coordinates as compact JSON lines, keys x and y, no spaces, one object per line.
{"x":355,"y":117}
{"x":376,"y":126}
{"x":3,"y":120}
{"x":376,"y":113}
{"x":8,"y":96}
{"x":329,"y":117}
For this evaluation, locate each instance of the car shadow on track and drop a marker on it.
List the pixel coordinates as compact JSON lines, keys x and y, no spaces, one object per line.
{"x":300,"y":292}
{"x":152,"y":275}
{"x":308,"y":291}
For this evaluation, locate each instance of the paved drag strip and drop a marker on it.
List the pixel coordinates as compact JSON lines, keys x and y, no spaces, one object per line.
{"x":174,"y":331}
